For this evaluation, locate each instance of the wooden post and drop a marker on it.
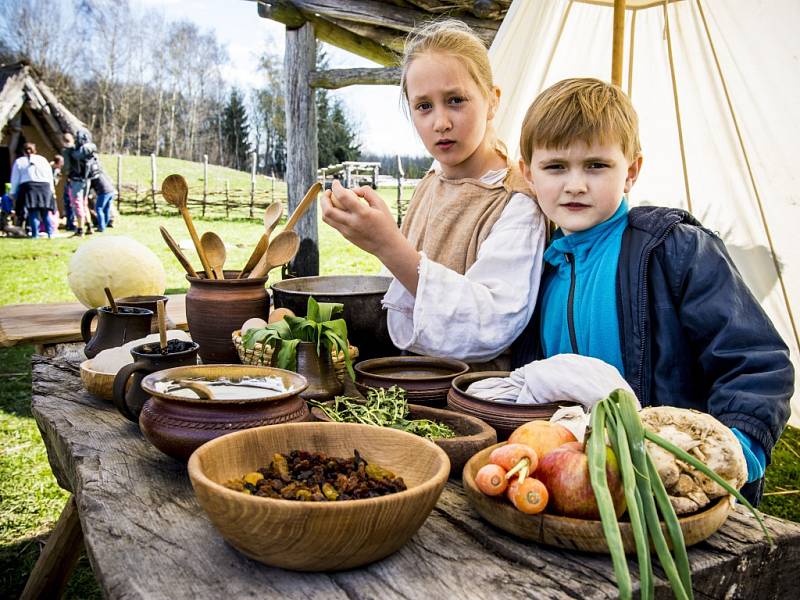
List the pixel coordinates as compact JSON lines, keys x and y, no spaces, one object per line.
{"x":119,"y":181}
{"x":400,"y":175}
{"x":301,"y":141}
{"x":205,"y":182}
{"x":272,"y":189}
{"x":136,"y":198}
{"x":227,"y":198}
{"x":254,"y":158}
{"x":618,"y":43}
{"x":153,"y":178}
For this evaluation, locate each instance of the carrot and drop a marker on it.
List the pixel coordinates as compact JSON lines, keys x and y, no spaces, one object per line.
{"x":528,"y":496}
{"x":515,"y":458}
{"x":491,"y":479}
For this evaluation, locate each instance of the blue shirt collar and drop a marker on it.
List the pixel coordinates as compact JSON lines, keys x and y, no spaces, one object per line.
{"x":581,"y":243}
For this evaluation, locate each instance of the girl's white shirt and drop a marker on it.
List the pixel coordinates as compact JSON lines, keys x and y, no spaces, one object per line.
{"x":475,"y":316}
{"x":31,"y":168}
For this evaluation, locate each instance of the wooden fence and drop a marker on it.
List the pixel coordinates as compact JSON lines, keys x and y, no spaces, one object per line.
{"x":230,"y":202}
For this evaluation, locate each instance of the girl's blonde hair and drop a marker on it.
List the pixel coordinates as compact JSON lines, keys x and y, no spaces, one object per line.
{"x":453,"y":38}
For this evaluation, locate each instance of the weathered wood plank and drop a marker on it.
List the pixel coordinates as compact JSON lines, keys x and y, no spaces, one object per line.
{"x":301,"y":141}
{"x":333,"y":79}
{"x":147,"y":538}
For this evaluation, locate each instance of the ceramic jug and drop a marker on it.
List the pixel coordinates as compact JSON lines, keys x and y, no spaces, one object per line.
{"x":323,"y":384}
{"x":129,"y":399}
{"x":150,"y":303}
{"x":113,"y":329}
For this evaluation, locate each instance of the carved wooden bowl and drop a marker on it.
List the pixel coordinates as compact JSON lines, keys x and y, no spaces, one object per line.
{"x":472,"y":434}
{"x":505,"y":417}
{"x":425,"y":379}
{"x":97,"y":383}
{"x":575,"y":534}
{"x":177,"y":425}
{"x":318,"y":536}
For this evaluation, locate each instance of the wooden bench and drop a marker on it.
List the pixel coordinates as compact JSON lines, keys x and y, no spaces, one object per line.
{"x":146,"y":536}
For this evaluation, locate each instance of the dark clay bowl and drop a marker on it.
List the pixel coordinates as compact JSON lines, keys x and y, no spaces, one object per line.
{"x":472,"y":435}
{"x":177,"y":425}
{"x":425,"y":379}
{"x":505,"y":417}
{"x":361,"y":296}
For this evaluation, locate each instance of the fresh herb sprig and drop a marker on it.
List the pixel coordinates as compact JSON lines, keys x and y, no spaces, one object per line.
{"x":383,"y":408}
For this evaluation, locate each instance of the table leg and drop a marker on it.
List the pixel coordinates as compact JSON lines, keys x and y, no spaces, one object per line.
{"x":52,"y":571}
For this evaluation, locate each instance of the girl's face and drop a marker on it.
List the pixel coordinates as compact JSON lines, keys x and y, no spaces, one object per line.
{"x":450,"y":113}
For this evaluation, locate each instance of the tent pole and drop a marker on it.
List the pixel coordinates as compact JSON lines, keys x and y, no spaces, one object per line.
{"x":751,"y":176}
{"x":677,"y":108}
{"x":630,"y":54}
{"x":618,"y":42}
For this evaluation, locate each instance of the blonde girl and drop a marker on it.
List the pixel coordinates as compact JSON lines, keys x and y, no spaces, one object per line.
{"x":468,"y":256}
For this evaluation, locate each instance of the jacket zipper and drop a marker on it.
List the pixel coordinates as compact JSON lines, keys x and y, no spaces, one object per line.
{"x":573,"y":339}
{"x":642,"y":301}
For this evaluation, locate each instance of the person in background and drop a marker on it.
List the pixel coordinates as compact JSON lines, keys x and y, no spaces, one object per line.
{"x":32,"y":185}
{"x":58,"y":175}
{"x":7,"y":211}
{"x":104,"y":197}
{"x":80,"y":165}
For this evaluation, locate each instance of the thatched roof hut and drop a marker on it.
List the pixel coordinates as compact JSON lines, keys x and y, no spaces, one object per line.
{"x":29,"y":112}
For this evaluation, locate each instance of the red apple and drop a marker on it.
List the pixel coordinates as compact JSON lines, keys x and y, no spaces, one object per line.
{"x":542,"y":436}
{"x":565,"y":473}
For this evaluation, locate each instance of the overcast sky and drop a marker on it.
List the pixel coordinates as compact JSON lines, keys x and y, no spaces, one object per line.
{"x":383,"y":127}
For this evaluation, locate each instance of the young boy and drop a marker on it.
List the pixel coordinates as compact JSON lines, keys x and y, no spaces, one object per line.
{"x":7,"y":208}
{"x":648,"y":290}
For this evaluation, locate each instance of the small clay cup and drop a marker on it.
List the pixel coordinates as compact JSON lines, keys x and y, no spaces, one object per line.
{"x":150,"y":303}
{"x":113,"y":329}
{"x":217,"y":307}
{"x":147,"y":359}
{"x":323,"y":384}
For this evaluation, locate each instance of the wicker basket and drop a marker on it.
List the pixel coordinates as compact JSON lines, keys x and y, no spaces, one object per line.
{"x":261,"y":354}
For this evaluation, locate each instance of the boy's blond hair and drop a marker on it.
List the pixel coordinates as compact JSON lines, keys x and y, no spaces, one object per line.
{"x":580,"y":109}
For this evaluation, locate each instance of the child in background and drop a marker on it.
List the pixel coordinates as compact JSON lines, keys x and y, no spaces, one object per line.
{"x":647,"y":290}
{"x":6,"y":209}
{"x":469,"y":253}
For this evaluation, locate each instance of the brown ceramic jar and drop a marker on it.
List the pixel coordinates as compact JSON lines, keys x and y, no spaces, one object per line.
{"x":178,"y":426}
{"x":217,"y":307}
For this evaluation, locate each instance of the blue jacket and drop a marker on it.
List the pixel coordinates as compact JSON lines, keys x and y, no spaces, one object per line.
{"x":692,"y":333}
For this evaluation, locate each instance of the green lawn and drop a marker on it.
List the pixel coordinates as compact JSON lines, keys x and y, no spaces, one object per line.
{"x":34,"y":271}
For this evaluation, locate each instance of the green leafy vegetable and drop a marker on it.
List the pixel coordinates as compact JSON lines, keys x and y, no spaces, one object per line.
{"x":383,"y":408}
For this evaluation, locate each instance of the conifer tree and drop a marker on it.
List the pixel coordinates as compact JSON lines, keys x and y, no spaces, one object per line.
{"x":236,"y":133}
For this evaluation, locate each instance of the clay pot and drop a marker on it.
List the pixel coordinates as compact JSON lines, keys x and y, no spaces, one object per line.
{"x":113,"y":329}
{"x":128,"y":395}
{"x":323,"y":384}
{"x":217,"y":307}
{"x":150,"y":303}
{"x":178,"y":426}
{"x":505,"y":417}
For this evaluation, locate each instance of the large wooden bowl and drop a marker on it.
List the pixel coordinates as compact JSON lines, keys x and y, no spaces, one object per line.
{"x":97,"y":383}
{"x":472,"y":434}
{"x":318,"y":536}
{"x":575,"y":534}
{"x":505,"y":417}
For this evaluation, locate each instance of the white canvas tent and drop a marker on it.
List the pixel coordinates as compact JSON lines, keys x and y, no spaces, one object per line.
{"x":716,"y":84}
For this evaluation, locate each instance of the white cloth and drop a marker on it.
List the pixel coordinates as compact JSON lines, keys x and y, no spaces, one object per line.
{"x":560,"y":378}
{"x":31,"y":168}
{"x":475,"y":316}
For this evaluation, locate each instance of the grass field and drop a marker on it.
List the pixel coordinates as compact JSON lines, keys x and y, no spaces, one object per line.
{"x":35,"y":271}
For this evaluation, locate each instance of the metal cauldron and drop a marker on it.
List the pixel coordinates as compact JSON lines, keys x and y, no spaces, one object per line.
{"x":361,"y":296}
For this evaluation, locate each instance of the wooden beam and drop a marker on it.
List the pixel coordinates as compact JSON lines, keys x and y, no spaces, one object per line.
{"x":34,"y":119}
{"x":389,"y":38}
{"x":618,"y":42}
{"x":333,"y":79}
{"x":287,"y":13}
{"x":372,"y":12}
{"x":299,"y":61}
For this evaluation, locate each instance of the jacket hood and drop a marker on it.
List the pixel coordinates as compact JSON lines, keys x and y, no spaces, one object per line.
{"x":655,"y":220}
{"x":82,"y":136}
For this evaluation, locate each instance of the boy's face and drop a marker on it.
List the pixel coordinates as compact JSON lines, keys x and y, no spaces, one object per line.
{"x":581,"y":185}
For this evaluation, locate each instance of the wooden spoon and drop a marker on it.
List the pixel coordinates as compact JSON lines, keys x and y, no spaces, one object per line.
{"x":281,"y":250}
{"x":310,"y":196}
{"x":111,"y":302}
{"x":162,"y":325}
{"x":176,"y":250}
{"x":203,"y":391}
{"x":214,"y":248}
{"x":272,"y":215}
{"x":176,"y":192}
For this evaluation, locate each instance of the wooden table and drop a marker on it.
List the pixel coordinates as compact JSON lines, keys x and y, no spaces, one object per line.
{"x":60,"y":322}
{"x":146,"y":536}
